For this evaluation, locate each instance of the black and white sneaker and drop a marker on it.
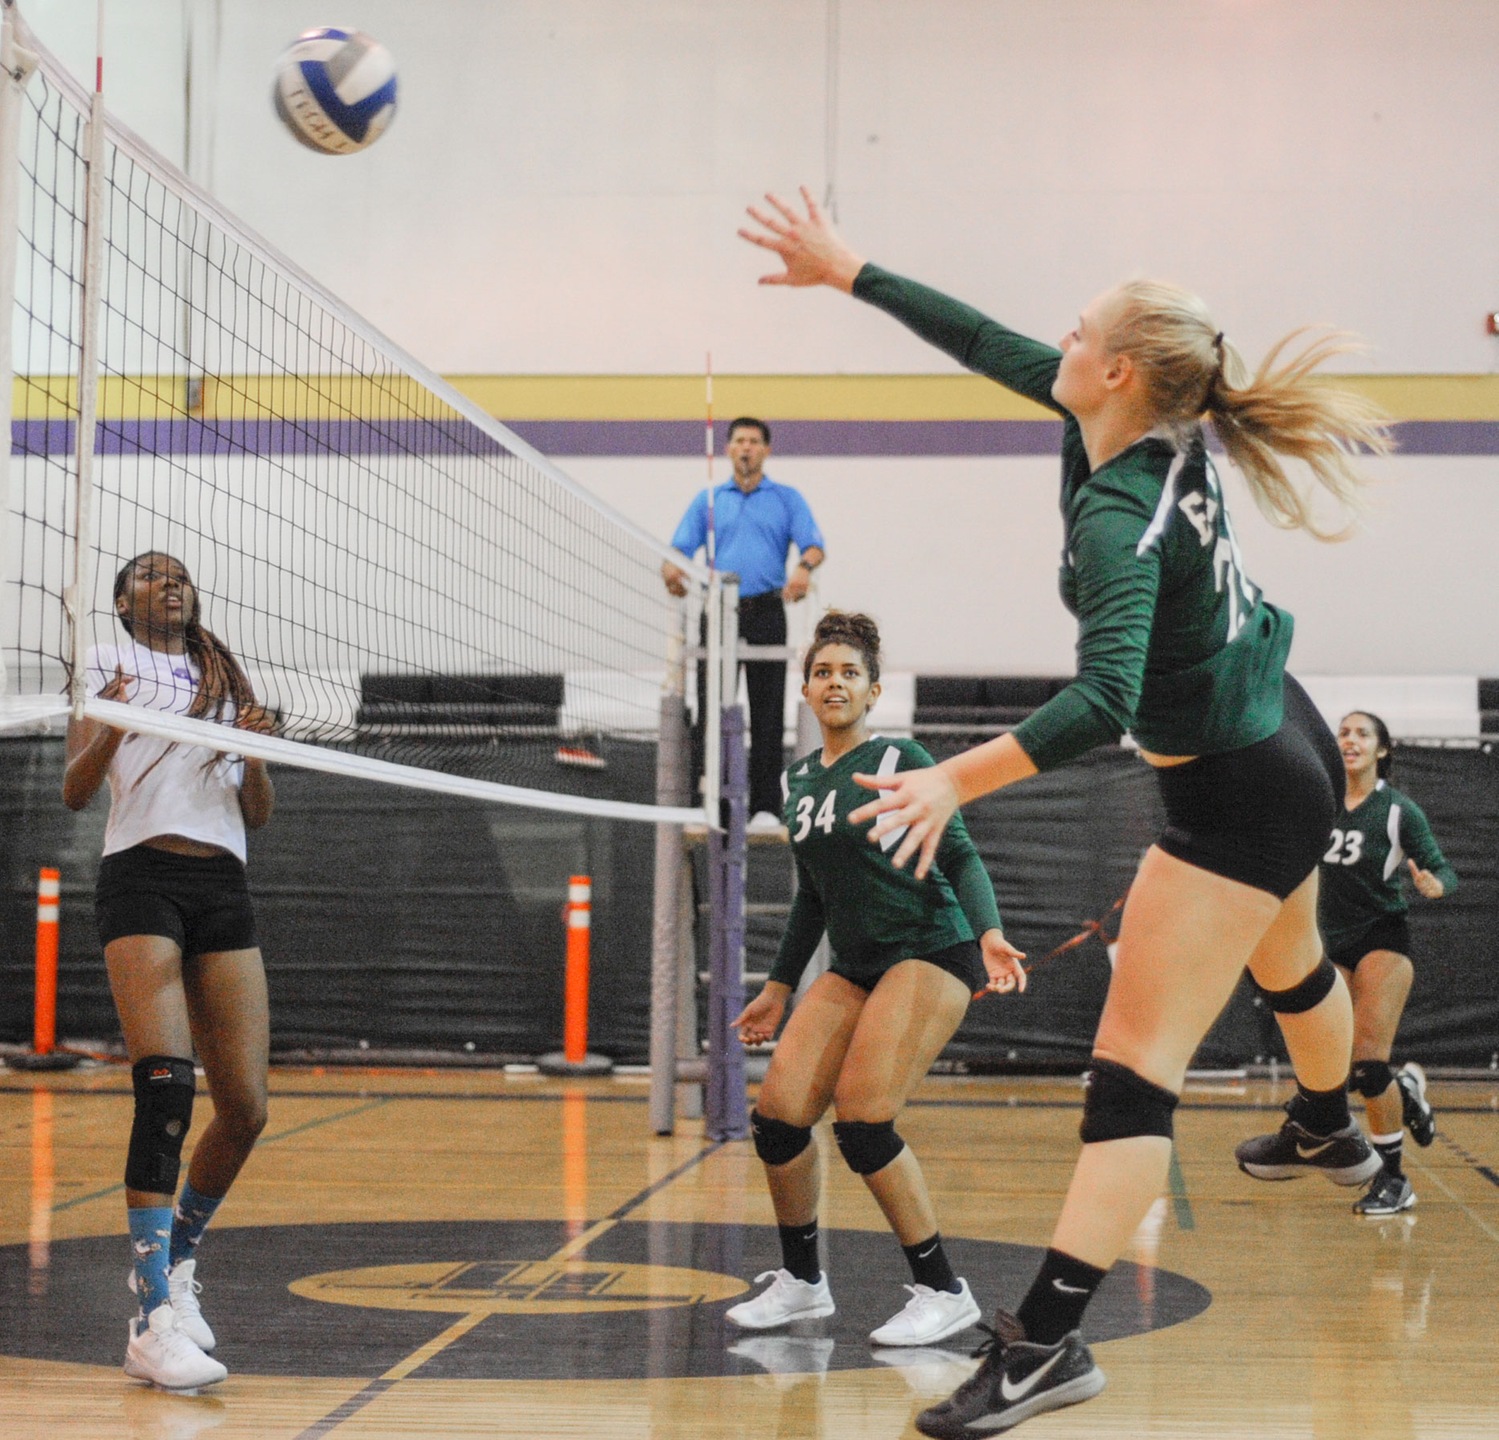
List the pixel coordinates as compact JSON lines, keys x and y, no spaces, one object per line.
{"x":1387,"y":1195}
{"x":1015,"y":1380}
{"x":1345,"y":1157}
{"x":1414,"y":1110}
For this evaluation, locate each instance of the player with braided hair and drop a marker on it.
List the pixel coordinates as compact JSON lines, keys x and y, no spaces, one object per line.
{"x":909,"y":955}
{"x":179,"y":939}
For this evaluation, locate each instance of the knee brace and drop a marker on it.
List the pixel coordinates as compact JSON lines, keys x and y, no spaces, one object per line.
{"x":1310,"y":993}
{"x":1371,"y":1078}
{"x":776,"y":1142}
{"x":164,"y":1089}
{"x":867,"y":1146}
{"x":1118,"y":1105}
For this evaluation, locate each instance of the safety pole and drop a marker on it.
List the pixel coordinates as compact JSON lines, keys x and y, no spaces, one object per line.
{"x":48,"y":907}
{"x":574,"y":1058}
{"x":44,"y":1052}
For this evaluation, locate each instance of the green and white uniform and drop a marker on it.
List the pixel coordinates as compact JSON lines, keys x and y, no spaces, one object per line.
{"x":873,"y":914}
{"x":1364,"y":868}
{"x":1175,"y":643}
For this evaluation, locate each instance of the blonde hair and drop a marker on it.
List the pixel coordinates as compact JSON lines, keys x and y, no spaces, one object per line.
{"x":1190,"y":370}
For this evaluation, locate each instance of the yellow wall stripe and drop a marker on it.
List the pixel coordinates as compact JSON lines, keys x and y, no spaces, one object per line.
{"x":655,"y":397}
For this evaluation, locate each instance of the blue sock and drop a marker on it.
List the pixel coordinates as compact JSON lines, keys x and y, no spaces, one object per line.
{"x":194,"y":1211}
{"x":150,"y":1237}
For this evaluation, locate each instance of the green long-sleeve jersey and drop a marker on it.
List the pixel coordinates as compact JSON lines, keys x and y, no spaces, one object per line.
{"x":1175,"y":643}
{"x":1363,"y":872}
{"x":872,"y":913}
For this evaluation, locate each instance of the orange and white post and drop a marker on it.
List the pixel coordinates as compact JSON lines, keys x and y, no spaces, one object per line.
{"x":575,"y":991}
{"x":48,"y":904}
{"x":573,"y":1058}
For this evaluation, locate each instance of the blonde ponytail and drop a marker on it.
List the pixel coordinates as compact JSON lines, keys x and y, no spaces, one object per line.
{"x":1281,"y":410}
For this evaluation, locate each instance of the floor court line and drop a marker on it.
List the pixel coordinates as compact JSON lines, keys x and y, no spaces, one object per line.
{"x":460,"y":1327}
{"x":1430,"y":1173}
{"x":1181,"y":1205}
{"x":918,"y":1103}
{"x":264,"y":1140}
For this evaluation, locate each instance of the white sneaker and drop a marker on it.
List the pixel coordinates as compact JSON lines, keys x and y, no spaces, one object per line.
{"x":763,"y":822}
{"x":183,"y":1290}
{"x":161,"y":1353}
{"x":929,"y":1316}
{"x":785,"y":1299}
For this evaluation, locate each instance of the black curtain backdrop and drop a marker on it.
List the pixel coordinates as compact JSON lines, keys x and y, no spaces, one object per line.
{"x":417,"y":921}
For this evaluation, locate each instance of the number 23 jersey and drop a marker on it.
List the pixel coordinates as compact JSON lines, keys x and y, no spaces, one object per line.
{"x":873,"y":914}
{"x":1363,"y":871}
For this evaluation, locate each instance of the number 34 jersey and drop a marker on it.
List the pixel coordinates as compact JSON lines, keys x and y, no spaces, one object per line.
{"x":1364,"y":867}
{"x":873,"y":914}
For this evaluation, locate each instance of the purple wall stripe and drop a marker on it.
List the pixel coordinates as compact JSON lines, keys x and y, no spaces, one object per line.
{"x":628,"y":437}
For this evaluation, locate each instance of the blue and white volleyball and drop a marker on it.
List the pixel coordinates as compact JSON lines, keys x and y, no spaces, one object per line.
{"x":336,"y":90}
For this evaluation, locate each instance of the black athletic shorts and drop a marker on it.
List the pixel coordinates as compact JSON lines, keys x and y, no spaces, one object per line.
{"x":1389,"y":932}
{"x":1259,"y":815}
{"x":200,"y":902}
{"x":965,"y":960}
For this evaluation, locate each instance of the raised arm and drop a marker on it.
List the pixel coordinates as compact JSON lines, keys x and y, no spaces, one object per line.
{"x":815,"y":254}
{"x":257,"y":795}
{"x":91,"y":747}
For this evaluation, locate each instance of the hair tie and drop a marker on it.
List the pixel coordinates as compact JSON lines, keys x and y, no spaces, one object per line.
{"x":1218,"y":341}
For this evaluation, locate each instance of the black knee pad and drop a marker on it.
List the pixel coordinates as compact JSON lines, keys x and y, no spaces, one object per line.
{"x":164,"y":1089}
{"x":1118,"y":1105}
{"x":1300,"y":998}
{"x":776,"y":1142}
{"x":867,"y":1146}
{"x":1371,"y":1078}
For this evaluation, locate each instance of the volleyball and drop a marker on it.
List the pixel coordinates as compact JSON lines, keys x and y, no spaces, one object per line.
{"x":335,"y":90}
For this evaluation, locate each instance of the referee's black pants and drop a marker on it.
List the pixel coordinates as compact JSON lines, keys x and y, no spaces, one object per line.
{"x":762,"y":621}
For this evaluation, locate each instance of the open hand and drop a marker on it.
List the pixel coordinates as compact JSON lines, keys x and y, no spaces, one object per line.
{"x":1002,"y":961}
{"x":920,"y":801}
{"x":812,"y":251}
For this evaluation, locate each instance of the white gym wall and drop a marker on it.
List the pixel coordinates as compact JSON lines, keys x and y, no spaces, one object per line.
{"x":559,"y":192}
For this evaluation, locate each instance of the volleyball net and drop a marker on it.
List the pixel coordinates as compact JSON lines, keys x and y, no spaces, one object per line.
{"x":416,"y":594}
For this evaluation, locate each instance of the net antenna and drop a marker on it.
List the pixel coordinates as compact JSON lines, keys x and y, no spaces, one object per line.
{"x":417,"y":594}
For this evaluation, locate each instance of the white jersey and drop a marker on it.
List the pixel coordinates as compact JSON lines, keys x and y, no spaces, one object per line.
{"x":161,"y":787}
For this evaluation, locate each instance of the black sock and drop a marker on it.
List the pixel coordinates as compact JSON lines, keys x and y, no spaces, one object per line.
{"x":1390,"y":1148}
{"x":929,"y":1267}
{"x":1059,"y":1294}
{"x":799,"y":1250}
{"x":1321,"y":1111}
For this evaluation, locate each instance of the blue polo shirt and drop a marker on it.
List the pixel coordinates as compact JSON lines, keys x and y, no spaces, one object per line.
{"x":751,"y":532}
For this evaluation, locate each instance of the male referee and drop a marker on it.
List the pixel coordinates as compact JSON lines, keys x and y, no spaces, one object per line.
{"x":755,"y":522}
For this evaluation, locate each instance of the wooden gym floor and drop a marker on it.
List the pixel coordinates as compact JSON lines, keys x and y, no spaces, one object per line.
{"x":414,"y":1254}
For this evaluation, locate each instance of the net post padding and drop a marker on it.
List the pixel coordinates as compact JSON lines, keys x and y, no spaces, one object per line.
{"x":726,"y":1109}
{"x":672,"y":780}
